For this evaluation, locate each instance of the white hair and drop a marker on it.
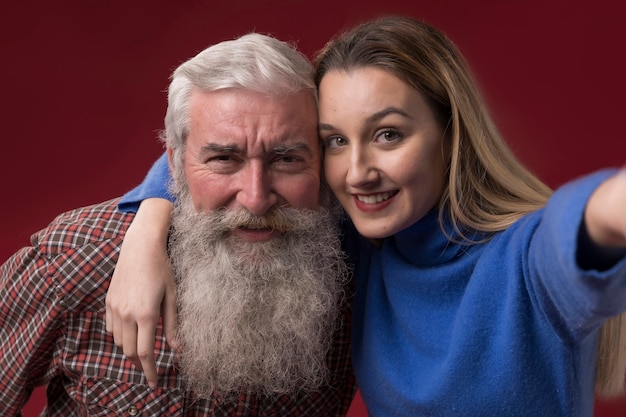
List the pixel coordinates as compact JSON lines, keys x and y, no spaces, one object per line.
{"x":253,"y":62}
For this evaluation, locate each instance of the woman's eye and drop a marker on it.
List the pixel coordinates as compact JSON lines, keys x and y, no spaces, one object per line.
{"x":387,"y":136}
{"x":335,"y":142}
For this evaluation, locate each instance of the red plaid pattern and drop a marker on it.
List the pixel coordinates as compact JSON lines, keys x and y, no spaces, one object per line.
{"x":52,"y":328}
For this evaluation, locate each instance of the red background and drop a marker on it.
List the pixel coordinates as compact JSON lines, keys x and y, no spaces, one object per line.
{"x":83,"y":87}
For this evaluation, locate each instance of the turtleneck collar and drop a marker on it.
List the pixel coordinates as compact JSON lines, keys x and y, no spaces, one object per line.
{"x":424,"y":243}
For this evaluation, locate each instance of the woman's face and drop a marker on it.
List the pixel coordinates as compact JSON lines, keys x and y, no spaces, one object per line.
{"x":385,"y":158}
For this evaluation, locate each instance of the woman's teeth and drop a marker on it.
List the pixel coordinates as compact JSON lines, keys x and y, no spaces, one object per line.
{"x":374,"y":198}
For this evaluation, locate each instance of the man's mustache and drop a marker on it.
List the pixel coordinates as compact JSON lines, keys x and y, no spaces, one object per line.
{"x":282,"y":219}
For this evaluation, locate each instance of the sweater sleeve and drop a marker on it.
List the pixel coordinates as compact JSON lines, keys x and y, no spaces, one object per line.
{"x":154,"y":185}
{"x":578,"y":297}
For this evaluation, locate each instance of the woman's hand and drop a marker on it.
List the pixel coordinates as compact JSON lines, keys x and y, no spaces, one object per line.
{"x":142,"y":288}
{"x":605,"y":214}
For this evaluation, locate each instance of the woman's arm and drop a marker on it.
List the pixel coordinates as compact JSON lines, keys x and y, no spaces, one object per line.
{"x":577,"y":256}
{"x":142,"y":287}
{"x":155,"y":185}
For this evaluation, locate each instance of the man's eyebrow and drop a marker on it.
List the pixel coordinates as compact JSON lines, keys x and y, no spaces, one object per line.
{"x":215,"y":148}
{"x":294,"y":147}
{"x":372,"y":118}
{"x":279,"y":149}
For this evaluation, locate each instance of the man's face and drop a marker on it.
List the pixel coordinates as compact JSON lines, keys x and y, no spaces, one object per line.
{"x":247,"y":150}
{"x":256,"y":256}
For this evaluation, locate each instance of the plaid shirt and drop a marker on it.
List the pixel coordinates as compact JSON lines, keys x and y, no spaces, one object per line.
{"x":52,"y":328}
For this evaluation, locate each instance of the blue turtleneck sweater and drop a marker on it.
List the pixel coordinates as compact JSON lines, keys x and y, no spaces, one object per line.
{"x":503,"y":328}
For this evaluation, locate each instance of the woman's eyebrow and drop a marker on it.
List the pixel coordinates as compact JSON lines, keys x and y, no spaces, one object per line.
{"x":372,"y":118}
{"x":386,"y":112}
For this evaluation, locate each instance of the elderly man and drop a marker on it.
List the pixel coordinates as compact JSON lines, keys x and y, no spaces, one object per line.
{"x":262,"y":328}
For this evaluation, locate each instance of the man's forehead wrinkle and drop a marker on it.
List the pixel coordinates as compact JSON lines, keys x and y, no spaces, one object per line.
{"x":231,"y":126}
{"x":274,"y":133}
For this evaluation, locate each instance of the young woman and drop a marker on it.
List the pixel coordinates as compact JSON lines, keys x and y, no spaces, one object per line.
{"x":478,"y":291}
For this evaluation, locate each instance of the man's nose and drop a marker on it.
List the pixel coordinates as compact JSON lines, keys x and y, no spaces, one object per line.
{"x":256,"y":193}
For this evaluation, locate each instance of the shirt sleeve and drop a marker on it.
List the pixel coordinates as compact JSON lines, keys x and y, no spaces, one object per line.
{"x":154,"y":185}
{"x":579,"y":297}
{"x":31,"y":317}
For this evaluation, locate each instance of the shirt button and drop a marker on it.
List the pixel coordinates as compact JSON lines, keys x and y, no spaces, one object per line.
{"x":132,"y":410}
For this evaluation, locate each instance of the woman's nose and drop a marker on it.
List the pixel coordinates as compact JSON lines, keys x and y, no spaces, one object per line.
{"x":362,"y":168}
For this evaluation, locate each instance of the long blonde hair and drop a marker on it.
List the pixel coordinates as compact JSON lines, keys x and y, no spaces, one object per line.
{"x":487,"y":187}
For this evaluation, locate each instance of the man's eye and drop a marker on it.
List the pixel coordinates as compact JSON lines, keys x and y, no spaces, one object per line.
{"x":220,"y":158}
{"x":221,"y":162}
{"x":289,"y":159}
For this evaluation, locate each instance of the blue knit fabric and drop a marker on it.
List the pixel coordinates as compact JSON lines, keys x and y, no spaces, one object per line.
{"x":504,"y":328}
{"x":155,"y":185}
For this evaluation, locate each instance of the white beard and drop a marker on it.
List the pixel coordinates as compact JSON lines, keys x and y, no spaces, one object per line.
{"x":255,"y":315}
